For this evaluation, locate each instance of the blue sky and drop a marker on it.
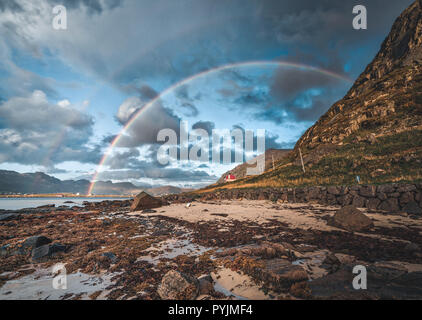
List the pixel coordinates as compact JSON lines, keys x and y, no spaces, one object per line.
{"x":64,"y":95}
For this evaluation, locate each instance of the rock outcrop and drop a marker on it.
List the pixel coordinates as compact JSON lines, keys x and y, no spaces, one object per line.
{"x":144,"y":201}
{"x":178,"y":286}
{"x":352,"y":219}
{"x":386,"y":98}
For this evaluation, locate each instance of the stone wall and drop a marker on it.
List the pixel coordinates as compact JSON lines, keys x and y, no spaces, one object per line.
{"x":391,"y":197}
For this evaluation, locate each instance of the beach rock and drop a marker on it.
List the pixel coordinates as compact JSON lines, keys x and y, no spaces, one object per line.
{"x":145,"y":201}
{"x":412,"y":208}
{"x":280,"y":274}
{"x":4,"y":250}
{"x":111,"y":256}
{"x":8,"y":216}
{"x":351,"y":219}
{"x":35,"y":242}
{"x":47,"y":206}
{"x":47,"y":251}
{"x":383,"y":283}
{"x":331,"y":262}
{"x":178,"y":286}
{"x":149,"y":211}
{"x":205,"y":285}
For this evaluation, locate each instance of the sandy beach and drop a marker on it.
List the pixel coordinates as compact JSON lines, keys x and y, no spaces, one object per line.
{"x":242,"y":249}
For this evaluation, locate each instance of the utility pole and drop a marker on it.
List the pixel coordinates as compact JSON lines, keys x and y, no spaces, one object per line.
{"x":301,"y":159}
{"x":273,"y":162}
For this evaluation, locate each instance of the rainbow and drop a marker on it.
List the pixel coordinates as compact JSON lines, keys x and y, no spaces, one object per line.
{"x":197,"y":76}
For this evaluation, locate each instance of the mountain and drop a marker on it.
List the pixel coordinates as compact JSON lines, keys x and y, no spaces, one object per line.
{"x":270,"y":155}
{"x":375,"y":131}
{"x":41,"y":183}
{"x":165,"y":190}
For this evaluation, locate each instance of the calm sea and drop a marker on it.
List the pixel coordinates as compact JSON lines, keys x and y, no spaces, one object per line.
{"x":21,"y":203}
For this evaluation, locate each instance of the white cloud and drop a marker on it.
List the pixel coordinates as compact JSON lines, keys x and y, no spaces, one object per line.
{"x":35,"y":131}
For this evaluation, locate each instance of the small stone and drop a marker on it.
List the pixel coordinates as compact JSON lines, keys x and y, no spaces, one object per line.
{"x":178,"y":286}
{"x":110,"y":256}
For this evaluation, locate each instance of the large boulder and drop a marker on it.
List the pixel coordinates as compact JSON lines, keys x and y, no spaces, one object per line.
{"x":35,"y":242}
{"x":47,"y":251}
{"x":351,"y":219}
{"x":145,"y":201}
{"x":178,"y":286}
{"x":205,"y":285}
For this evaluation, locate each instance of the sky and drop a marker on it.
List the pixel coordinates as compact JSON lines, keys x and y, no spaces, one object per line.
{"x":67,"y":95}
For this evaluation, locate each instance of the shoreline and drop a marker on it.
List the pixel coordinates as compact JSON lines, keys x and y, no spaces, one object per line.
{"x":64,"y":195}
{"x":238,"y":249}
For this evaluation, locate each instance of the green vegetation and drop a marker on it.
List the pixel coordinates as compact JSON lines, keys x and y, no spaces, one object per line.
{"x":392,"y":158}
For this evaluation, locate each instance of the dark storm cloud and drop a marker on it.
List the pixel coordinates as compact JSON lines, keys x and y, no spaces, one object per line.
{"x":147,"y":92}
{"x":128,"y":159}
{"x":145,"y":129}
{"x":253,"y":98}
{"x":180,"y":39}
{"x":11,"y":5}
{"x":208,"y":126}
{"x":187,"y":103}
{"x":93,"y":6}
{"x":270,"y":139}
{"x":189,"y":109}
{"x":288,"y":83}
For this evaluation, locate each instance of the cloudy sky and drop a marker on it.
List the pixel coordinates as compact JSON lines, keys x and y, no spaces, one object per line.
{"x":65,"y":95}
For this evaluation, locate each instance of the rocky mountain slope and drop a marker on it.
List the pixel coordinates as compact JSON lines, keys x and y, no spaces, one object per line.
{"x":240,"y":171}
{"x":375,"y":131}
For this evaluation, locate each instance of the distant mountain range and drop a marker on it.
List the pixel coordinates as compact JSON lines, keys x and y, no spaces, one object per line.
{"x":41,"y":183}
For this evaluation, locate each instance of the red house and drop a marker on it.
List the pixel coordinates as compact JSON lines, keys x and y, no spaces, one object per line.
{"x":230,"y":178}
